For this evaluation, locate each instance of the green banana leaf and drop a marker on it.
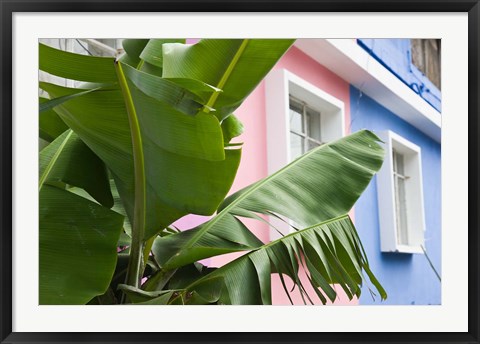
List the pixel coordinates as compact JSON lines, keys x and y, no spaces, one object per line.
{"x":236,"y":66}
{"x":77,"y":236}
{"x":78,"y":247}
{"x":118,"y":207}
{"x":231,"y":127}
{"x":320,"y":185}
{"x":182,"y":166}
{"x":153,"y":51}
{"x":173,"y":283}
{"x":76,"y":66}
{"x":153,"y":64}
{"x":146,"y":54}
{"x":50,"y":104}
{"x":139,"y":296}
{"x":133,"y":48}
{"x":101,"y":120}
{"x":126,"y":235}
{"x":50,"y":125}
{"x":68,"y":160}
{"x":329,"y":251}
{"x":161,"y":300}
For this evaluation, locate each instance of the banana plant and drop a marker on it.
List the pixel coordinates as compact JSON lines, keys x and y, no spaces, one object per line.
{"x":76,"y":233}
{"x":145,"y":139}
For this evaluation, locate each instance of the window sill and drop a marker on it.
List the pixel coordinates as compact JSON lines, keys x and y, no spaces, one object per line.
{"x":407,"y":249}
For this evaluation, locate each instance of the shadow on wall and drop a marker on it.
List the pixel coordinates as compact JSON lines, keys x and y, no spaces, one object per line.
{"x":393,"y":257}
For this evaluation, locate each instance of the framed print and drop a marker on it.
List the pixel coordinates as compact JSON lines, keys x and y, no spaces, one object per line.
{"x":247,"y":172}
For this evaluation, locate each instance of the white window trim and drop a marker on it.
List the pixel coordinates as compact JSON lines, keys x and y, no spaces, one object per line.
{"x":279,"y":84}
{"x":414,"y":195}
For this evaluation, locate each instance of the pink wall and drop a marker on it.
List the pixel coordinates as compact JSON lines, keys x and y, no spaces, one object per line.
{"x":305,"y":67}
{"x":253,"y":165}
{"x":254,"y":158}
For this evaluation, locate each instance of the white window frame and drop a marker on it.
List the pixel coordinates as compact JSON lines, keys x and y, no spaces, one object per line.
{"x":413,"y":193}
{"x":306,"y":133}
{"x":279,"y":85}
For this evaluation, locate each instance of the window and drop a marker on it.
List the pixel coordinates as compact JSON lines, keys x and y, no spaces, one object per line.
{"x":426,"y":56}
{"x":305,"y":128}
{"x":400,"y":196}
{"x":300,"y":116}
{"x":417,"y":62}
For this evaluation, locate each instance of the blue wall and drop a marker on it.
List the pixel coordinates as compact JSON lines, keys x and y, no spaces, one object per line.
{"x":396,"y":55}
{"x":407,"y":278}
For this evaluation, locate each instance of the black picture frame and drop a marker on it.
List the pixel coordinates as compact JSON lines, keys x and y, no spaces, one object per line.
{"x":9,"y":7}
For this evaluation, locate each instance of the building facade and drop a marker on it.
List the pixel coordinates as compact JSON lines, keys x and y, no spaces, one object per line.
{"x":323,"y":89}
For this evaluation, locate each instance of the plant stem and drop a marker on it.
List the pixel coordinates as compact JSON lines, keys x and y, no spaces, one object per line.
{"x":135,"y":263}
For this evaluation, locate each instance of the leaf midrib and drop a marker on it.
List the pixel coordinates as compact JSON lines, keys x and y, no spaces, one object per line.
{"x":226,"y":75}
{"x":275,"y":242}
{"x":139,"y":217}
{"x":246,"y":194}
